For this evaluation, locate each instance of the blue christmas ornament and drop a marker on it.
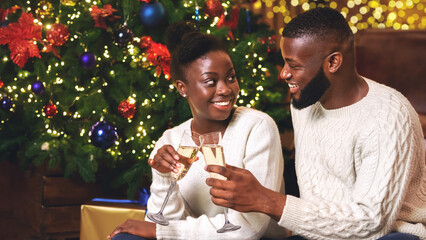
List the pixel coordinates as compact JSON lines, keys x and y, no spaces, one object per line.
{"x":103,"y":134}
{"x":87,"y":60}
{"x":37,"y":87}
{"x":6,"y":103}
{"x":151,"y":14}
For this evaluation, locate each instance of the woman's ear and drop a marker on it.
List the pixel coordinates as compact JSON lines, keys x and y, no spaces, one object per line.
{"x":334,"y":61}
{"x":180,"y":85}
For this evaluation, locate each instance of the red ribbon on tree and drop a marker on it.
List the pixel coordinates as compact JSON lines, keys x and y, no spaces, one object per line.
{"x":100,"y":15}
{"x":21,"y":37}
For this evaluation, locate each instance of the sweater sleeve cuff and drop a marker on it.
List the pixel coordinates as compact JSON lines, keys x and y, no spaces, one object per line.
{"x":290,"y":217}
{"x":172,"y":231}
{"x":162,"y":178}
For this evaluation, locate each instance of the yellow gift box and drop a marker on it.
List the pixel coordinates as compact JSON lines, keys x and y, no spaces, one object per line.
{"x":99,"y":219}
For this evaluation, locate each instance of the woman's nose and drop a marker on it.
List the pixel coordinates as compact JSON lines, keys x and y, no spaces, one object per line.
{"x":223,"y":88}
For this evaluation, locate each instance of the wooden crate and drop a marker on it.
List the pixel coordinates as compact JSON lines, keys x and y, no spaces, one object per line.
{"x":41,"y":203}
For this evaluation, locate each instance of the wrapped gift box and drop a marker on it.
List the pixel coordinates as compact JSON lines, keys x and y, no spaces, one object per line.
{"x":99,"y":219}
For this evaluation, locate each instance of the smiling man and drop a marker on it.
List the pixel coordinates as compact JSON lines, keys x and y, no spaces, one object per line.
{"x":360,"y":157}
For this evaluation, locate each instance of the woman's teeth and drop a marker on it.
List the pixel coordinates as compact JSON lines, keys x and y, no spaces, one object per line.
{"x":293,"y":85}
{"x":222,"y":103}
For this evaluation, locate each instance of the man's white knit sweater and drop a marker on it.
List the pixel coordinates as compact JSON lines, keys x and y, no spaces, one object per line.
{"x":251,"y":141}
{"x":361,"y":169}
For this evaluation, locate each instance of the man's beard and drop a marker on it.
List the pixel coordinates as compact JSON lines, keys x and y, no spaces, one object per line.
{"x":313,"y":91}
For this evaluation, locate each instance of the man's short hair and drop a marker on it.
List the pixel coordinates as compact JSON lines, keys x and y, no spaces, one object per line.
{"x":319,"y":24}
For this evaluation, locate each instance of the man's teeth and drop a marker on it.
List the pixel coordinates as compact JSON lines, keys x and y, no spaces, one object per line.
{"x":222,"y":103}
{"x":293,"y":85}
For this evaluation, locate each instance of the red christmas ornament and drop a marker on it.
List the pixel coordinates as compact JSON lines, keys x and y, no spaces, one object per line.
{"x":50,"y":110}
{"x":1,"y":84}
{"x":58,"y":34}
{"x":127,"y":108}
{"x":213,"y":8}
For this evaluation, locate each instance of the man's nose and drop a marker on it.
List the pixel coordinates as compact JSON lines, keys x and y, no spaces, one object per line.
{"x":285,"y":73}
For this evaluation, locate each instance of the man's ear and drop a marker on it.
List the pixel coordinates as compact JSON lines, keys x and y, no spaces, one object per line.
{"x":180,"y":85}
{"x":334,"y":61}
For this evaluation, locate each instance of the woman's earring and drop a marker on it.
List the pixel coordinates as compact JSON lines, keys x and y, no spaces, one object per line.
{"x":184,"y":95}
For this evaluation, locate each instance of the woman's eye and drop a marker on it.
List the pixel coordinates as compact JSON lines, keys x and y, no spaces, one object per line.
{"x":210,"y":82}
{"x":232,"y":78}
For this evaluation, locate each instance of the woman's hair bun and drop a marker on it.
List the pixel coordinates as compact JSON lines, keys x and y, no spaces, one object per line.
{"x":175,"y":33}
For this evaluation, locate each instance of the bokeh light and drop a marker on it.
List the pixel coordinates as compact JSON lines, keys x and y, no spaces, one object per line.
{"x":360,"y":14}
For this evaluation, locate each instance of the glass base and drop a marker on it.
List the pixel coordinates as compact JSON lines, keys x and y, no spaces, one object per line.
{"x":158,"y":218}
{"x":228,"y":227}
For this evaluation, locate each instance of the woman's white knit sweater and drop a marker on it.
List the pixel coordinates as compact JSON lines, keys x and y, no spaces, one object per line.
{"x":251,"y":141}
{"x":360,"y":169}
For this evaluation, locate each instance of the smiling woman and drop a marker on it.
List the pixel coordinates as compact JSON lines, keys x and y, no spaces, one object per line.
{"x":203,"y":73}
{"x":211,"y":88}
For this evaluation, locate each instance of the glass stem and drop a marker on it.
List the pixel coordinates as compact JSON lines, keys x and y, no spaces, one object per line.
{"x":169,"y":192}
{"x":225,"y":210}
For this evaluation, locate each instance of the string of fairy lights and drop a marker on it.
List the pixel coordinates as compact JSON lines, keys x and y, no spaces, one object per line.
{"x":12,"y":90}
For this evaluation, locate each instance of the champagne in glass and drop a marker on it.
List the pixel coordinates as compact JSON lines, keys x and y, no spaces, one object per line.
{"x":187,"y":150}
{"x":188,"y":154}
{"x":213,"y":155}
{"x":212,"y":150}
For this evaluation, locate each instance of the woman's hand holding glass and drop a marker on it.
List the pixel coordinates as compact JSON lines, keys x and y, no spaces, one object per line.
{"x":178,"y":163}
{"x":166,"y":160}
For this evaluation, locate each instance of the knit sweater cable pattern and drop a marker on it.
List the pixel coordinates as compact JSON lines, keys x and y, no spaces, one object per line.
{"x":251,"y":141}
{"x":355,"y":165}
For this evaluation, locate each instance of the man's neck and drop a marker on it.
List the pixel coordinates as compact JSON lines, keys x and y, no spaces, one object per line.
{"x":345,"y":92}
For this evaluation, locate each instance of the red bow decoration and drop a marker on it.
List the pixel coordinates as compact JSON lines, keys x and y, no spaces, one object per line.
{"x":232,"y":23}
{"x":21,"y":37}
{"x":100,"y":15}
{"x":158,"y":54}
{"x":146,"y":1}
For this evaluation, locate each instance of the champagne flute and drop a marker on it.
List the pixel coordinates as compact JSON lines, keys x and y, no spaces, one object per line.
{"x":211,"y":147}
{"x":188,"y":149}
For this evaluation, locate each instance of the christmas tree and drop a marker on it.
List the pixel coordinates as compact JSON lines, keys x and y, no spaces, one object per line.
{"x":85,"y":84}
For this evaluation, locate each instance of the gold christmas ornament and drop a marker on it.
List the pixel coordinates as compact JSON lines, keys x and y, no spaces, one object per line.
{"x":44,"y":10}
